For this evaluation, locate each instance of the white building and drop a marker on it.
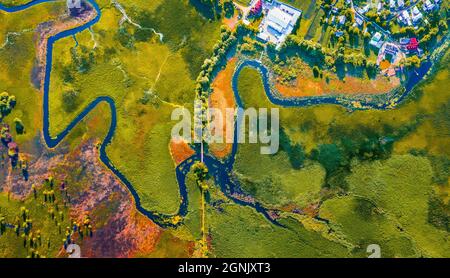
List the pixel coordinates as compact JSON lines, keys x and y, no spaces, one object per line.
{"x":392,"y":4}
{"x":365,"y":9}
{"x":428,"y":6}
{"x":416,"y":15}
{"x":379,"y":6}
{"x":376,"y":40}
{"x":405,"y":18}
{"x":279,"y":21}
{"x":358,"y":20}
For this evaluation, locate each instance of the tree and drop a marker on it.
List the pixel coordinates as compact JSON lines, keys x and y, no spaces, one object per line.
{"x":330,"y":156}
{"x":2,"y":225}
{"x":70,"y":100}
{"x":125,"y":38}
{"x":67,"y":75}
{"x":371,"y":69}
{"x":413,"y":61}
{"x":19,"y":126}
{"x":200,"y":172}
{"x":316,"y":72}
{"x":297,"y":156}
{"x":7,"y":103}
{"x":143,"y":34}
{"x":228,"y":7}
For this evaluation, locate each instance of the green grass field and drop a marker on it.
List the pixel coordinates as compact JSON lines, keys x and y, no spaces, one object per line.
{"x":241,"y":232}
{"x":16,"y":63}
{"x":243,"y":2}
{"x":402,"y":187}
{"x":167,"y":70}
{"x":399,"y":188}
{"x":12,"y":245}
{"x":362,"y":224}
{"x":372,"y":177}
{"x":273,"y":181}
{"x":11,"y":3}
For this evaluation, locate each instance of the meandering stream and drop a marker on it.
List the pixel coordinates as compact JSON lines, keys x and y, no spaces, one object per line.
{"x":220,"y":170}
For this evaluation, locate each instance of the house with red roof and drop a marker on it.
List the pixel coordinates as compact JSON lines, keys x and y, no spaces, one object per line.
{"x":256,"y":10}
{"x":413,"y":44}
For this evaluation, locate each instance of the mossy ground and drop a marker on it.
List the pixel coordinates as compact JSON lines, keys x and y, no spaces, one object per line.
{"x":127,"y":72}
{"x":369,"y":199}
{"x":17,"y":59}
{"x":397,"y":186}
{"x":12,"y":245}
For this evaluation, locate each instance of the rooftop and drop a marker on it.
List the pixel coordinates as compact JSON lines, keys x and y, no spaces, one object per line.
{"x":279,"y":17}
{"x":278,"y":22}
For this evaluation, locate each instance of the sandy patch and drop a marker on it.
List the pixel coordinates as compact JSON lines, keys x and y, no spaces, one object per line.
{"x":231,"y":22}
{"x":180,"y":151}
{"x":222,"y":98}
{"x":304,"y":87}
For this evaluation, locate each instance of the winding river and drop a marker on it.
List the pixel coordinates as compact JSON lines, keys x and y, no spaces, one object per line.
{"x":220,"y":170}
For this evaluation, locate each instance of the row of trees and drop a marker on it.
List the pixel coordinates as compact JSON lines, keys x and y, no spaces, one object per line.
{"x":326,"y":57}
{"x":31,"y":238}
{"x":7,"y":103}
{"x":220,"y":50}
{"x":2,"y":224}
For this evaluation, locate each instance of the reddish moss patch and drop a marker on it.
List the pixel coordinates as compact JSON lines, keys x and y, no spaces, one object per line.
{"x":222,"y":98}
{"x":180,"y":151}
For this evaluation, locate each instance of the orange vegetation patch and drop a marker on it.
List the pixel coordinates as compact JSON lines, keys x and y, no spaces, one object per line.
{"x":145,"y":233}
{"x":222,"y":98}
{"x":180,"y":151}
{"x":312,"y":210}
{"x":304,"y":87}
{"x":231,"y":22}
{"x":119,"y":230}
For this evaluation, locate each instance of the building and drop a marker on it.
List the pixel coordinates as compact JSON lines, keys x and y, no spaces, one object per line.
{"x":364,"y":9}
{"x":404,"y":44}
{"x":392,"y":4}
{"x":413,"y":44}
{"x":409,"y":45}
{"x":342,"y":19}
{"x":404,"y":18}
{"x":419,"y":52}
{"x":400,"y":3}
{"x":379,"y":6}
{"x":416,"y":15}
{"x":359,"y":20}
{"x":278,"y":22}
{"x":376,"y":40}
{"x":407,"y":17}
{"x":389,"y":57}
{"x":391,"y":49}
{"x":339,"y":33}
{"x":428,"y":6}
{"x":256,"y":10}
